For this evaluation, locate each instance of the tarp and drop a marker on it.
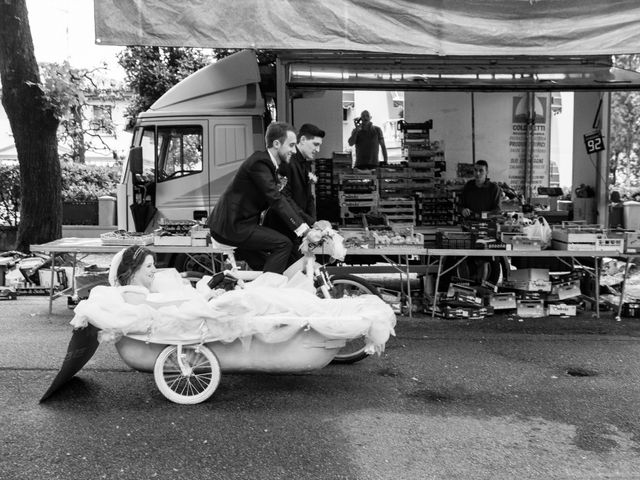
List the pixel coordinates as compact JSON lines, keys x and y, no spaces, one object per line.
{"x":415,"y":27}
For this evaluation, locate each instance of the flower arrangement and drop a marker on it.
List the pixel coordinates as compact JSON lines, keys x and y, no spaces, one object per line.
{"x":323,"y":236}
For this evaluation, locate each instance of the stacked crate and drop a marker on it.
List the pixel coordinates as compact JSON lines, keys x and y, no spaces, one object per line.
{"x":400,"y":210}
{"x":434,"y":203}
{"x":328,"y":171}
{"x":324,"y":186}
{"x":425,"y":159}
{"x":437,"y":207}
{"x":357,"y":196}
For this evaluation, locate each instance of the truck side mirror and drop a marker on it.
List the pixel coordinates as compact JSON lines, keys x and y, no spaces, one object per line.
{"x":135,"y":160}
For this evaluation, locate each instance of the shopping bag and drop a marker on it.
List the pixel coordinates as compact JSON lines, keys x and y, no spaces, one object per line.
{"x":539,"y":230}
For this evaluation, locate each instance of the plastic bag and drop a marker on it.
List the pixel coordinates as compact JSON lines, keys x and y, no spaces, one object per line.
{"x":539,"y":230}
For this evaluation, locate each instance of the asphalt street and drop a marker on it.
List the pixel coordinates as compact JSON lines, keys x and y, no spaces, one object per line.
{"x":504,"y":398}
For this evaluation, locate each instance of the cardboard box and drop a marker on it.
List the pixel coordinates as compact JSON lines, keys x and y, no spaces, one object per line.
{"x":59,"y":279}
{"x":562,"y":309}
{"x":565,"y":290}
{"x":529,"y":279}
{"x":503,"y":301}
{"x":530,"y":308}
{"x":529,"y":274}
{"x":632,"y":242}
{"x":173,"y":240}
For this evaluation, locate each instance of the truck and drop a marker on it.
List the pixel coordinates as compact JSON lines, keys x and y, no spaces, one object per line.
{"x":187,"y":147}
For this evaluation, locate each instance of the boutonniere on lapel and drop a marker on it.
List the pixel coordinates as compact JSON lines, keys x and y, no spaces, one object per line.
{"x":282,"y":181}
{"x":313,"y":178}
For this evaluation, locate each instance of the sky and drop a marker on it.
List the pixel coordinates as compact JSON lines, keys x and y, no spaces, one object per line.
{"x":64,"y":30}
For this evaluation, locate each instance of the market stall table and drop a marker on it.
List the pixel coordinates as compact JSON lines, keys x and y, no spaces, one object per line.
{"x":442,"y":253}
{"x":89,"y":246}
{"x":404,"y":253}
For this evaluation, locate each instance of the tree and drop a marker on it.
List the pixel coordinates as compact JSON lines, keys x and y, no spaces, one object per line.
{"x":625,"y":130}
{"x":66,"y":89}
{"x":151,"y":71}
{"x":34,"y":125}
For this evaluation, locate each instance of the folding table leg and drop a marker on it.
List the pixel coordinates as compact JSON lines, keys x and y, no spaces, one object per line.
{"x":435,"y":293}
{"x":624,"y":284}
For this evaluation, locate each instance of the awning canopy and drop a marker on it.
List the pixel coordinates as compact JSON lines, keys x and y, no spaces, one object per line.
{"x":370,"y":71}
{"x":411,"y":27}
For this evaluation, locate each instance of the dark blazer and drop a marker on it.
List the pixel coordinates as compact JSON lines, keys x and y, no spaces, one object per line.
{"x":253,"y":190}
{"x":299,"y":187}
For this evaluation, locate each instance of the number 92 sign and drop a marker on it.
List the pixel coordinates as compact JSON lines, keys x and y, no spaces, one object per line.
{"x":594,"y":142}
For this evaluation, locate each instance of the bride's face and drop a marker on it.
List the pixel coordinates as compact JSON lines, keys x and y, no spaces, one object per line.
{"x":144,"y":275}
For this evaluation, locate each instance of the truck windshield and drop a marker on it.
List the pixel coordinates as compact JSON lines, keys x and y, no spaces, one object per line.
{"x":179,"y":151}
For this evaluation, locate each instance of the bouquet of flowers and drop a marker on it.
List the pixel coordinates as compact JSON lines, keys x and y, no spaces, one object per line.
{"x":322,"y":238}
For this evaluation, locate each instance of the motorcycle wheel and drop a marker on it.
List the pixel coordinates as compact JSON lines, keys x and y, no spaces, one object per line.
{"x":351,"y":286}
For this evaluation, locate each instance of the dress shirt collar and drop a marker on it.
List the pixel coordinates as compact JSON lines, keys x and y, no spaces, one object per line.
{"x":273,"y":159}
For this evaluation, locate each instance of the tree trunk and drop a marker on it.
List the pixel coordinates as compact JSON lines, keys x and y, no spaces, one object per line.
{"x":77,"y":135}
{"x":34,"y":125}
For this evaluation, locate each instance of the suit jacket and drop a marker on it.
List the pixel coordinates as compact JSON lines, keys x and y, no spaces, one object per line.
{"x":299,"y":187}
{"x":253,"y":190}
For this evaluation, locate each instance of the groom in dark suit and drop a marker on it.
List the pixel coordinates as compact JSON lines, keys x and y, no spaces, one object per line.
{"x":300,"y":178}
{"x":237,"y":218}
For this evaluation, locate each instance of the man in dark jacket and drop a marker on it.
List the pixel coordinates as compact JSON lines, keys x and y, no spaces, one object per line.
{"x":237,"y":218}
{"x":480,"y":194}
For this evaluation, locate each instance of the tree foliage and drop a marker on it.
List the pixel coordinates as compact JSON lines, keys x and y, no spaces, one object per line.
{"x":66,"y":89}
{"x":624,"y":143}
{"x":80,"y":183}
{"x":151,"y":71}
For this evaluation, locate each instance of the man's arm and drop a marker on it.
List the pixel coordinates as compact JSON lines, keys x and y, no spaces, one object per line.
{"x":383,"y":146}
{"x":264,"y":181}
{"x":352,"y":138}
{"x":496,"y":203}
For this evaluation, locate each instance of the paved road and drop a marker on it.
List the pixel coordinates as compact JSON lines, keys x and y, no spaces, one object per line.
{"x":447,"y":400}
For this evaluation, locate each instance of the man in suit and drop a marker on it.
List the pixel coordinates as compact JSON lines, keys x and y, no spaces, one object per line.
{"x":237,"y":218}
{"x":300,"y":178}
{"x":300,"y":181}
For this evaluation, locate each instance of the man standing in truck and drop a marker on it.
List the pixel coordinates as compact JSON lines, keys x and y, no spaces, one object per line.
{"x":369,"y":140}
{"x":237,"y":218}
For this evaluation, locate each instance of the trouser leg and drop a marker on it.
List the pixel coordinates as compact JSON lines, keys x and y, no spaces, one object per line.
{"x":274,"y":246}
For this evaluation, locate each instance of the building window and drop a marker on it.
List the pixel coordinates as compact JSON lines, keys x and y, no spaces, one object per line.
{"x":101,"y":119}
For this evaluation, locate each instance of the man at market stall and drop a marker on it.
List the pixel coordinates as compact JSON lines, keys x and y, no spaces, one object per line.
{"x":369,"y":140}
{"x":300,"y":183}
{"x":480,"y":194}
{"x":237,"y":219}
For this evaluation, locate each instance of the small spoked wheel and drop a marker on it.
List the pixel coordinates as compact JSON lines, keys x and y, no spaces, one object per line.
{"x":187,"y":374}
{"x":351,"y":286}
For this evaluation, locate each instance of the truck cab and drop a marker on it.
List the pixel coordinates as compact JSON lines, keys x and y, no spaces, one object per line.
{"x":187,"y":147}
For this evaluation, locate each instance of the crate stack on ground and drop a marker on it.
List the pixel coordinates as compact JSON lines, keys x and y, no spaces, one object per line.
{"x":527,"y":292}
{"x":465,"y":301}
